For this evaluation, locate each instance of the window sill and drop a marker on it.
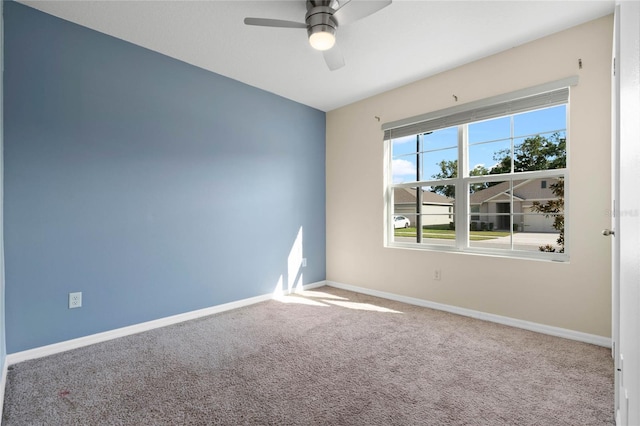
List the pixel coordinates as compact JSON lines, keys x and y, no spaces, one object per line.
{"x":501,"y":254}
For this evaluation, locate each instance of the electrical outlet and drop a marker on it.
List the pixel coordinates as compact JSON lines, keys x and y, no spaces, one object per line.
{"x":437,"y":274}
{"x":304,"y":262}
{"x":75,"y":300}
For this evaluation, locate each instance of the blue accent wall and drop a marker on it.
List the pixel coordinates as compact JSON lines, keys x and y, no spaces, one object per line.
{"x":152,"y":186}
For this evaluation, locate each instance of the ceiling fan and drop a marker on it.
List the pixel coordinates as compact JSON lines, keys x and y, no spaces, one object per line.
{"x":321,"y":22}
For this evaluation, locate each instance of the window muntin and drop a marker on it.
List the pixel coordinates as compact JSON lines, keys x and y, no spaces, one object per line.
{"x":497,"y":216}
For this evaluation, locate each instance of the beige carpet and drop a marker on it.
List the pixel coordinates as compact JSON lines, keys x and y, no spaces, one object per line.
{"x":330,"y":357}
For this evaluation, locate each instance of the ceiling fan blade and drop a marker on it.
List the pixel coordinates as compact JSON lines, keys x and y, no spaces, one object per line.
{"x":279,"y":23}
{"x":358,"y":9}
{"x":333,"y":57}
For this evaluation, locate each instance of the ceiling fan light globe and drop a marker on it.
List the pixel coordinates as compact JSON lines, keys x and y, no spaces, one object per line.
{"x":322,"y":40}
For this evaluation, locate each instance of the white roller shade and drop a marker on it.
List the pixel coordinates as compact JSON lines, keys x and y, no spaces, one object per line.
{"x":546,"y":95}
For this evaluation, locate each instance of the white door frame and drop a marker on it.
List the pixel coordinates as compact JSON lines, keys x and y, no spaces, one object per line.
{"x":615,"y":216}
{"x":628,"y":214}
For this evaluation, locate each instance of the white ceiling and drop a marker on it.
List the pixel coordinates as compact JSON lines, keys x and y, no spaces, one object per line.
{"x":404,"y":42}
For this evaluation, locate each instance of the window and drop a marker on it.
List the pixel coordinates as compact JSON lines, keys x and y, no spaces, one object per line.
{"x":488,"y":177}
{"x":475,"y":209}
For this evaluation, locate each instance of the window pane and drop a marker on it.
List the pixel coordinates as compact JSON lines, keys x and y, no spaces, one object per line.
{"x":440,"y":154}
{"x":438,"y":230}
{"x":403,"y":169}
{"x":530,"y":220}
{"x":405,"y":203}
{"x":487,"y":195}
{"x":439,"y":139}
{"x":540,"y":218}
{"x":430,"y":209}
{"x":404,"y":146}
{"x":540,"y":121}
{"x":437,"y":217}
{"x":486,"y":231}
{"x":490,"y":157}
{"x":404,"y":227}
{"x":404,"y":159}
{"x":490,"y":146}
{"x":490,"y":130}
{"x":540,"y":152}
{"x":538,"y":234}
{"x":490,"y":215}
{"x":405,"y":235}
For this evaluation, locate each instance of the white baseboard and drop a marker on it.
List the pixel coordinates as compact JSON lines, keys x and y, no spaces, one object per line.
{"x":162,"y":322}
{"x":3,"y":385}
{"x":527,"y":325}
{"x":314,"y":285}
{"x":136,"y":328}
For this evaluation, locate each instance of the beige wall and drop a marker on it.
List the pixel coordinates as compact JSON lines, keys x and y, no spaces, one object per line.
{"x":575,"y":295}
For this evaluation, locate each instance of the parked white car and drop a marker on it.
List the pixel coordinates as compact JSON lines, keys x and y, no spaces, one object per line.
{"x":400,"y":222}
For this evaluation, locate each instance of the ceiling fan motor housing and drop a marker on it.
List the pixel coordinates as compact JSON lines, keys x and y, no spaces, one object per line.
{"x":320,"y":19}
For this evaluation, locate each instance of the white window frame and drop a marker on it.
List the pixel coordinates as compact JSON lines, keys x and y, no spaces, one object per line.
{"x":461,"y":116}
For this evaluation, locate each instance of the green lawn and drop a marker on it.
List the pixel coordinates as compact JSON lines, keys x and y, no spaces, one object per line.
{"x":449,"y":234}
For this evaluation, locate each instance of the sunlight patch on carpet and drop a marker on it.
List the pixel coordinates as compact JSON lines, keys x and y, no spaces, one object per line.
{"x":319,"y":295}
{"x":299,"y":300}
{"x":361,"y":306}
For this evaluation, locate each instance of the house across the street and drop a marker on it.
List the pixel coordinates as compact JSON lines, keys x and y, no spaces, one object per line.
{"x":436,"y":209}
{"x":492,"y":206}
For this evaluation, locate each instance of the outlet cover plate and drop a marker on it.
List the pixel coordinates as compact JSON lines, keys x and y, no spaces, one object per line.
{"x":75,"y":300}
